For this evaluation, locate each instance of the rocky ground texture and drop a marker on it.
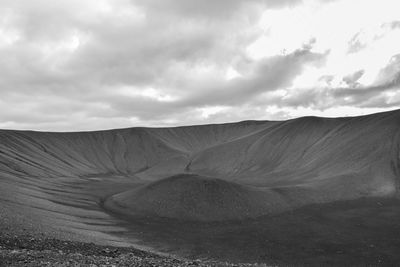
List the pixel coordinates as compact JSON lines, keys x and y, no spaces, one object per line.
{"x":37,"y":251}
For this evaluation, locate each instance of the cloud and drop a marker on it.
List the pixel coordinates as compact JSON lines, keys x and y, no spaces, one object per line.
{"x":77,"y":55}
{"x":266,"y":75}
{"x":390,"y":74}
{"x":384,"y":92}
{"x":394,"y":24}
{"x":388,"y":78}
{"x":352,"y":79}
{"x":89,"y":64}
{"x":209,"y":9}
{"x":356,"y":44}
{"x":365,"y":36}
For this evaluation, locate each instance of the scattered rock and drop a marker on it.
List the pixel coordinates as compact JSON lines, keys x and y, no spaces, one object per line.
{"x":53,"y":252}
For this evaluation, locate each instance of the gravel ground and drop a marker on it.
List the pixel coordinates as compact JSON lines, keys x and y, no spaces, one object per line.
{"x":34,"y":251}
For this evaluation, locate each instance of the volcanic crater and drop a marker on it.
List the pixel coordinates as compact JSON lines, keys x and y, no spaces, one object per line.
{"x":93,"y":185}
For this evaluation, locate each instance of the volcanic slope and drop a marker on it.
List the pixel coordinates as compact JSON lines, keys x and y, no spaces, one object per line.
{"x":195,"y":198}
{"x":207,"y":173}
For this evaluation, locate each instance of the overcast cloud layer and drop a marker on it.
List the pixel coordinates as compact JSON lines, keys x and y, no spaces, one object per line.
{"x":97,"y":64}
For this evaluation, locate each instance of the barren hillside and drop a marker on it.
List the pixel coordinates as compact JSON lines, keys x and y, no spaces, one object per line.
{"x":83,"y":183}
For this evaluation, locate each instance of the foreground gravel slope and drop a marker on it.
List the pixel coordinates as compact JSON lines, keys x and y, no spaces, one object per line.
{"x":37,"y":251}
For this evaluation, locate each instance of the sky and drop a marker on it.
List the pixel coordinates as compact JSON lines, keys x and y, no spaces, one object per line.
{"x":72,"y":65}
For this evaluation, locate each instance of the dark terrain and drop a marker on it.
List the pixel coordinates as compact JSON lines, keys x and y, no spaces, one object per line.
{"x":309,"y":191}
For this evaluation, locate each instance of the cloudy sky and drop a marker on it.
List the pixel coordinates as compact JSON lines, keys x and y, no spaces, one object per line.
{"x":96,"y":64}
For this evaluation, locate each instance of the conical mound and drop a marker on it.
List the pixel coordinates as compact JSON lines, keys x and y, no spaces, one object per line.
{"x":191,"y":197}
